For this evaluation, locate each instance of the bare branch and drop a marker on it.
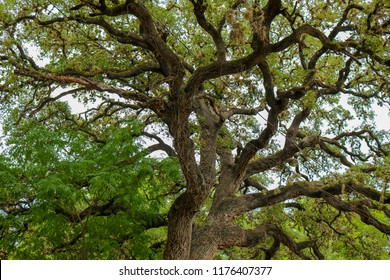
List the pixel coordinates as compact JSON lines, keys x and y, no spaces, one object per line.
{"x":49,"y":100}
{"x":160,"y":146}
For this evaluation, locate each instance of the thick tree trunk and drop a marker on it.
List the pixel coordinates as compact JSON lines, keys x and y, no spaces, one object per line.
{"x":200,"y":177}
{"x":204,"y":244}
{"x":219,"y":229}
{"x":180,"y":220}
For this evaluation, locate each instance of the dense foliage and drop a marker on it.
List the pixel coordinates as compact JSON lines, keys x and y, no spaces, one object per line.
{"x":64,"y":197}
{"x":203,"y":129}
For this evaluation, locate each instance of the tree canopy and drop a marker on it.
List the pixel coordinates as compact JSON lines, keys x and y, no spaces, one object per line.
{"x":210,"y":129}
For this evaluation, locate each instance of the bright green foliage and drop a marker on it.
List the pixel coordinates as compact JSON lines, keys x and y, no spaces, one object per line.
{"x":69,"y":198}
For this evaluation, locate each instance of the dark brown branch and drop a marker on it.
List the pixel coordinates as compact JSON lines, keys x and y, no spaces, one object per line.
{"x":268,"y":162}
{"x":104,"y":9}
{"x":295,"y":247}
{"x":135,"y":71}
{"x":269,"y":253}
{"x":344,"y":17}
{"x":314,"y":189}
{"x":271,"y":10}
{"x":253,"y":183}
{"x":199,"y":11}
{"x":292,"y":131}
{"x":24,"y":56}
{"x":338,"y":155}
{"x":170,"y":62}
{"x":109,"y":110}
{"x":220,"y":69}
{"x":122,"y":37}
{"x":295,"y":37}
{"x":294,"y":205}
{"x":293,"y":93}
{"x":84,"y":129}
{"x":362,"y":209}
{"x":49,"y":100}
{"x":236,"y":236}
{"x":89,"y":84}
{"x":277,"y":106}
{"x":242,"y":111}
{"x":160,"y":146}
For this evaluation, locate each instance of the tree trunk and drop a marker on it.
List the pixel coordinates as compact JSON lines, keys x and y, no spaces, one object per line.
{"x":180,"y":220}
{"x":204,"y":244}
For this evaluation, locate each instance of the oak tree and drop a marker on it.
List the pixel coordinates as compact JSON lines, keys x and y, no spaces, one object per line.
{"x":269,"y":108}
